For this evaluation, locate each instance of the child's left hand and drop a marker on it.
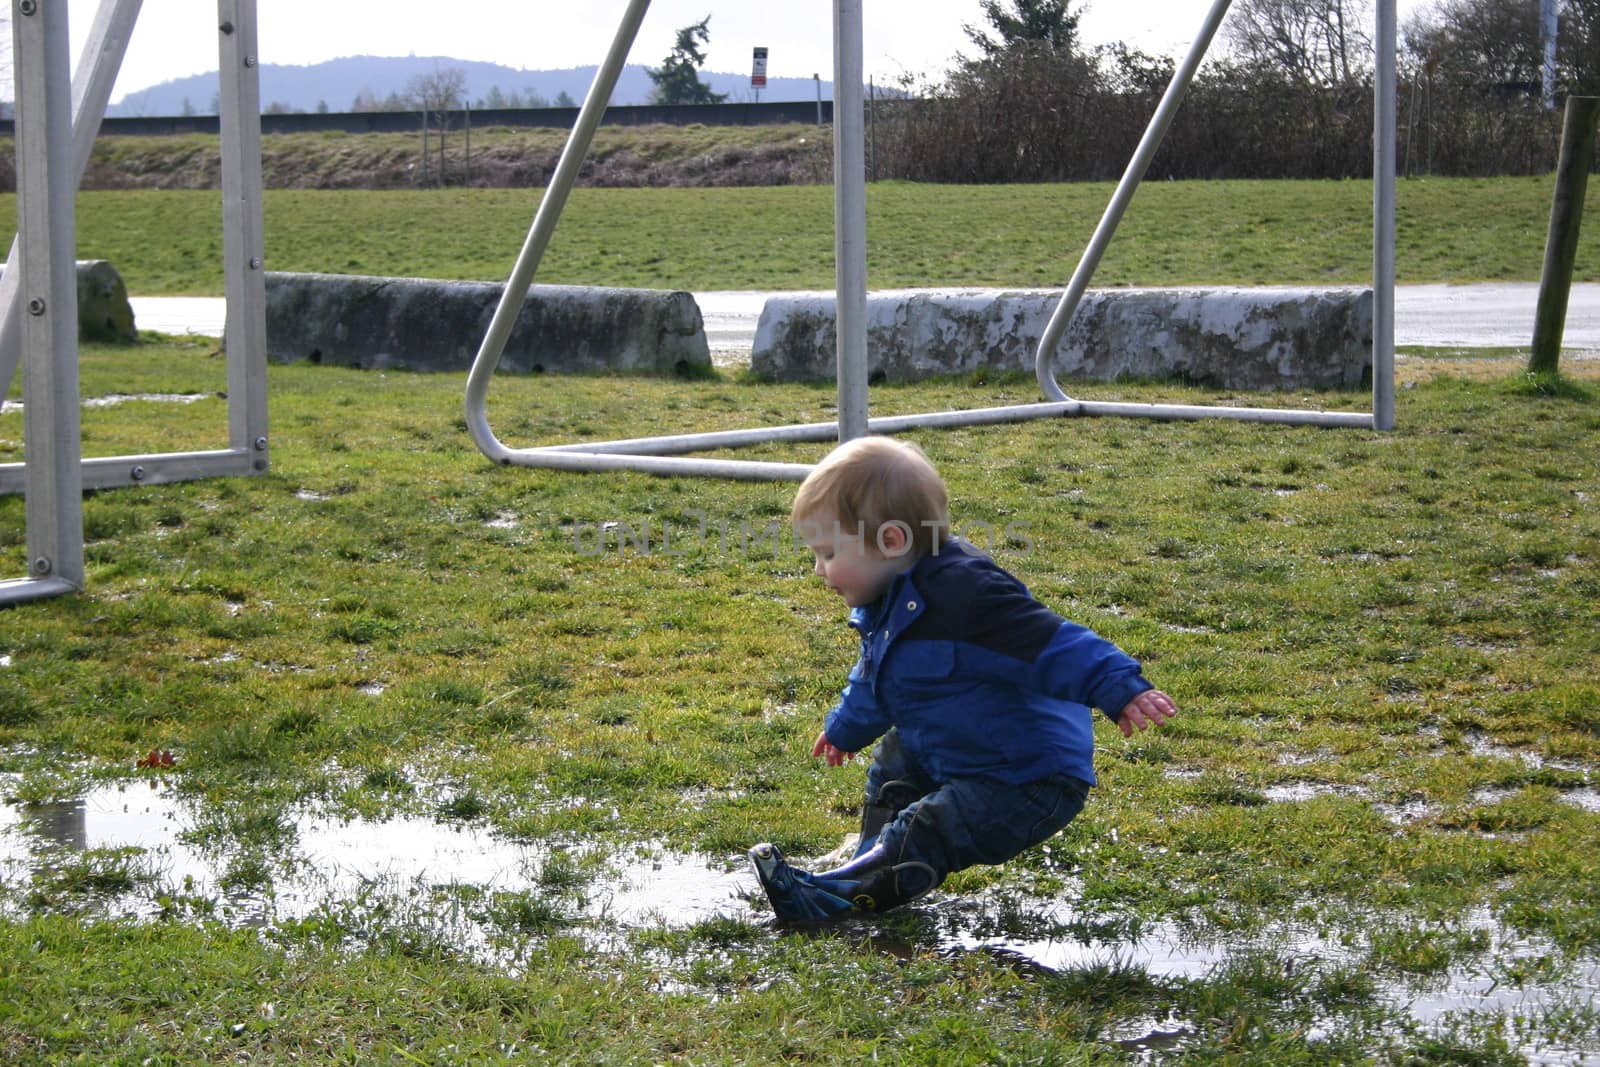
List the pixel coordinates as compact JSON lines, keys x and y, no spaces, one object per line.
{"x":1150,"y":708}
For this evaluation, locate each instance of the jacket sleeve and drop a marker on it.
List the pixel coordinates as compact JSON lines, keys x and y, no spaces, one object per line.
{"x":1081,"y":666}
{"x":1017,"y":640}
{"x":857,"y":720}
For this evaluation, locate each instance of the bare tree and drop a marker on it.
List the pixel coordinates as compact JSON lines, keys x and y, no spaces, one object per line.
{"x":1479,"y":44}
{"x":436,"y":95}
{"x":1578,"y":46}
{"x":1314,"y":42}
{"x":440,"y":90}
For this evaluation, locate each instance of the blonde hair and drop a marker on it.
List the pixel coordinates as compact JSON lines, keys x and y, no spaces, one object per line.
{"x":872,"y":482}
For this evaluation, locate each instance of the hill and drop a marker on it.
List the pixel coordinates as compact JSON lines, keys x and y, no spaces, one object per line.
{"x":337,"y":83}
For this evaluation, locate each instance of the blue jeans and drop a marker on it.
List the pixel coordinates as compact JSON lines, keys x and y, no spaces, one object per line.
{"x":953,"y":825}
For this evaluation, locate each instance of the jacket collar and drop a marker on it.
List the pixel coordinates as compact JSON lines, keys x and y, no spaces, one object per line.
{"x":901,"y":603}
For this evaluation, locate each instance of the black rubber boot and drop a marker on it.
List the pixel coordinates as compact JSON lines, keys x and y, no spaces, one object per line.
{"x":868,"y":883}
{"x":893,"y":798}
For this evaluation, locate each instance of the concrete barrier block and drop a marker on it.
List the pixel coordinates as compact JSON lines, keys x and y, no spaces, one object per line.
{"x":104,"y":312}
{"x":427,"y":325}
{"x":1234,"y":338}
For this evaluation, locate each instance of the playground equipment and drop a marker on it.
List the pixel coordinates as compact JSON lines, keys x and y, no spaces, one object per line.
{"x":57,"y":120}
{"x":58,"y":117}
{"x":664,"y":455}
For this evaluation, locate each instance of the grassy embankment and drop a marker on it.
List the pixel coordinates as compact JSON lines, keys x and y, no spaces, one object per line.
{"x":1381,"y":787}
{"x":167,"y":242}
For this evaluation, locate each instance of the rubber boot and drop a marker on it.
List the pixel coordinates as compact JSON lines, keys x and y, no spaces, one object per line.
{"x":893,"y":798}
{"x":868,"y":883}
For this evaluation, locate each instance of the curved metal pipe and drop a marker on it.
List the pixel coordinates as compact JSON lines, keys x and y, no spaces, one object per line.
{"x":544,"y":223}
{"x":815,"y":431}
{"x":1044,"y":356}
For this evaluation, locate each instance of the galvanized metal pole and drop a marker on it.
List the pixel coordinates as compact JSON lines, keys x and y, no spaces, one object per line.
{"x":1548,"y":23}
{"x":538,"y":238}
{"x":46,"y":190}
{"x":1166,"y":110}
{"x":1383,"y":217}
{"x":850,"y":218}
{"x":1561,"y":243}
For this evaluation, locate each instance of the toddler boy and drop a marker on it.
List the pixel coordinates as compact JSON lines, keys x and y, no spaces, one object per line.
{"x":978,"y":695}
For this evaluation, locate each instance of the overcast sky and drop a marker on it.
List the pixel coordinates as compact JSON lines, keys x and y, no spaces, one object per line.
{"x":175,"y":38}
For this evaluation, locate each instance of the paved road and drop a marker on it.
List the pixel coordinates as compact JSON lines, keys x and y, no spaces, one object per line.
{"x":1498,"y":315}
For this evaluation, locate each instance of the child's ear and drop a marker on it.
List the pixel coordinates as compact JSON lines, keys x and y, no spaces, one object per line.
{"x":893,"y":539}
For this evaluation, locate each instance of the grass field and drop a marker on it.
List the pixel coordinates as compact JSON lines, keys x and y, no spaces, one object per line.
{"x":1368,"y":839}
{"x":168,"y":243}
{"x":463,"y":759}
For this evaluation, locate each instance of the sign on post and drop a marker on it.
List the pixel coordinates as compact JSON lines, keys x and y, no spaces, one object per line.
{"x":758,"y":69}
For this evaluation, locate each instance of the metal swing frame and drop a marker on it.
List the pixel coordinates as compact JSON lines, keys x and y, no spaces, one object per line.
{"x":664,"y":455}
{"x":57,"y":120}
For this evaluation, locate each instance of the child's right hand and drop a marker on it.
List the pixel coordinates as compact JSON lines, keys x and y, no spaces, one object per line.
{"x":1150,"y":708}
{"x":835,"y":756}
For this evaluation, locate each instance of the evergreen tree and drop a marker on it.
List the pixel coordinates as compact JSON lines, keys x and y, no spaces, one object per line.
{"x":677,"y":80}
{"x":1029,"y":24}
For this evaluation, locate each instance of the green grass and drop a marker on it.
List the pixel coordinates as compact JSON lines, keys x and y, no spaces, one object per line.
{"x":387,"y":623}
{"x":168,"y":242}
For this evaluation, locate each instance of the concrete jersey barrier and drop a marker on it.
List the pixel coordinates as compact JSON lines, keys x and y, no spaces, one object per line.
{"x":1233,"y":338}
{"x":427,"y":325}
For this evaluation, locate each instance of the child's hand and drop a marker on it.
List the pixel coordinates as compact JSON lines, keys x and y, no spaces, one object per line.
{"x":836,"y":757}
{"x":1150,"y":708}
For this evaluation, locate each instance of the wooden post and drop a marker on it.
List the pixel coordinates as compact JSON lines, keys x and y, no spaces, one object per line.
{"x":424,"y":144}
{"x":1561,"y":246}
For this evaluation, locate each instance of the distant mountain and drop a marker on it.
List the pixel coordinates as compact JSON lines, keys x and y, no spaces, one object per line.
{"x":336,"y":84}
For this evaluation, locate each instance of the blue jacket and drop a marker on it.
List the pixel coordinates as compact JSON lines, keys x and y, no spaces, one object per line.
{"x":981,"y":679}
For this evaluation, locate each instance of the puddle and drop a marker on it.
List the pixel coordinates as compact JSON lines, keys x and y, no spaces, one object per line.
{"x":413,"y":876}
{"x":1291,"y":792}
{"x":333,"y":860}
{"x":1162,"y":952}
{"x":113,"y":399}
{"x":1587,"y":799}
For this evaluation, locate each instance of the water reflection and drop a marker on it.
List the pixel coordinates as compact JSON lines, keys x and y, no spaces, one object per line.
{"x":449,"y":878}
{"x":327,"y":859}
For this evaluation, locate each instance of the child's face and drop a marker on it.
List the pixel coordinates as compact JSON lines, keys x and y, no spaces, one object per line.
{"x":855,"y":566}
